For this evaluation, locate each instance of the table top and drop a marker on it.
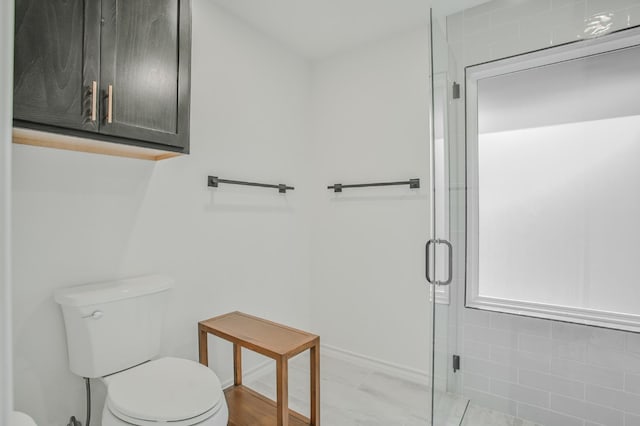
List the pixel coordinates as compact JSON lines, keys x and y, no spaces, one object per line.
{"x":260,"y":335}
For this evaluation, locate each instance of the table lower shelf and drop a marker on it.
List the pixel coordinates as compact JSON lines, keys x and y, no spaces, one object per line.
{"x":249,"y":408}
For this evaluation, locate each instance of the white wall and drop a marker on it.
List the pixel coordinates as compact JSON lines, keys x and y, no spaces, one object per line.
{"x":82,"y":218}
{"x":370,"y":124}
{"x":548,"y":372}
{"x":6,"y":106}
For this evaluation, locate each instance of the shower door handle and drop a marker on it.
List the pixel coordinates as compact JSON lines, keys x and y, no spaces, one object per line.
{"x":450,"y":269}
{"x":428,"y":260}
{"x":433,"y":243}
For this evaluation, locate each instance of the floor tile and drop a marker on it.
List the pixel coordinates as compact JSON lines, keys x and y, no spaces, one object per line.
{"x":355,"y":396}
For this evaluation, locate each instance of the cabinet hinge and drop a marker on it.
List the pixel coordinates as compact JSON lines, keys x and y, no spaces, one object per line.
{"x":456,"y":90}
{"x":456,"y":363}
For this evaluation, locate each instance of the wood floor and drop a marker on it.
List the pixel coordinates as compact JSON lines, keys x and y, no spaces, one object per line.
{"x":355,"y":396}
{"x":247,"y":407}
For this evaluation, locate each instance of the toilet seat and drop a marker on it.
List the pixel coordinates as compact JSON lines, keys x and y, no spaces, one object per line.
{"x":167,"y":390}
{"x":143,"y":422}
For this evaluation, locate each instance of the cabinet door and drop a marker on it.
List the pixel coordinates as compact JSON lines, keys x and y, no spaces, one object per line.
{"x":145,"y":66}
{"x":56,"y":61}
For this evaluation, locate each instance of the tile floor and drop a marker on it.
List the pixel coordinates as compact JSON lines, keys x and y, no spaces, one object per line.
{"x":355,"y":396}
{"x":480,"y":416}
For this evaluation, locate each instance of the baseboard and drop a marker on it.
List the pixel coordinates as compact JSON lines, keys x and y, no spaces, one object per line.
{"x":370,"y":363}
{"x":249,"y":374}
{"x":396,"y":370}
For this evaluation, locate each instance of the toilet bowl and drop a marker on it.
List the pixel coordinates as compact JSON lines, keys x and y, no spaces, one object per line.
{"x":171,"y":391}
{"x":114,"y":332}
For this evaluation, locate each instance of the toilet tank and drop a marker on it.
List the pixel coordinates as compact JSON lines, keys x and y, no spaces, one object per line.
{"x":114,"y":325}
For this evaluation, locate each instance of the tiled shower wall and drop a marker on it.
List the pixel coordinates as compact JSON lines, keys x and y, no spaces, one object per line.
{"x":552,"y":373}
{"x":503,"y":28}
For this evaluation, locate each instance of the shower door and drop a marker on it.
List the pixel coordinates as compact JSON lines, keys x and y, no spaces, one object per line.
{"x":445,"y":249}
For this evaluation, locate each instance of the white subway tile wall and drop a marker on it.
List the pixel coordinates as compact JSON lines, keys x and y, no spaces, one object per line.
{"x":551,"y":373}
{"x":542,"y":371}
{"x":503,"y":28}
{"x":631,"y":420}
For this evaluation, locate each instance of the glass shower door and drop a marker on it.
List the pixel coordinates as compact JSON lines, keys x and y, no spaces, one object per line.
{"x":445,"y":249}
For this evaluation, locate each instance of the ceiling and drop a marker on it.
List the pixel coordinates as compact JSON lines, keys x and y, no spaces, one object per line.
{"x":320,"y":28}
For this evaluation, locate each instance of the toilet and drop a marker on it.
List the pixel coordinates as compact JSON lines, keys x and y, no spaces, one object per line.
{"x":114,"y":334}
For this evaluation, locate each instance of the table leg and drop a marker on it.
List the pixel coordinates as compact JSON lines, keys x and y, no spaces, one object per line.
{"x":315,"y":384}
{"x":282,"y":399}
{"x":237,"y":364}
{"x":202,"y":346}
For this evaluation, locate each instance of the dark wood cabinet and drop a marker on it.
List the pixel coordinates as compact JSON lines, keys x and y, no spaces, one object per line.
{"x":112,"y":70}
{"x":145,"y":58}
{"x":56,"y":61}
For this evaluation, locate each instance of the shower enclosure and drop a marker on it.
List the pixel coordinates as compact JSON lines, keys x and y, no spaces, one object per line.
{"x":444,"y":251}
{"x":534,"y":153}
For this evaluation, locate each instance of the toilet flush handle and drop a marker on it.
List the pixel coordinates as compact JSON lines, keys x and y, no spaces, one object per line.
{"x":96,"y":315}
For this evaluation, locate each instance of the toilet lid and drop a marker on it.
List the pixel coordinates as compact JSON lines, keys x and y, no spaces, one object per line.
{"x":165,"y":390}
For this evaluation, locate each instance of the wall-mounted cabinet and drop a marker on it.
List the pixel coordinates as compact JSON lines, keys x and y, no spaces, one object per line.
{"x":116,"y":71}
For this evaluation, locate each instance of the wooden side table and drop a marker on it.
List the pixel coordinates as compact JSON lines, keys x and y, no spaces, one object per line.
{"x":276,"y":341}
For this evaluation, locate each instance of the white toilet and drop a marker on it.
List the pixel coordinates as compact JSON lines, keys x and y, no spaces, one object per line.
{"x":113,"y":333}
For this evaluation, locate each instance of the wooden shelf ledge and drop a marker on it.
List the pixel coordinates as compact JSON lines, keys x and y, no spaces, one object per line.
{"x":73,"y":143}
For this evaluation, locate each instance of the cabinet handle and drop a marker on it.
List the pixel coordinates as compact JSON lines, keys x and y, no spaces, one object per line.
{"x":94,"y":100}
{"x":110,"y":105}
